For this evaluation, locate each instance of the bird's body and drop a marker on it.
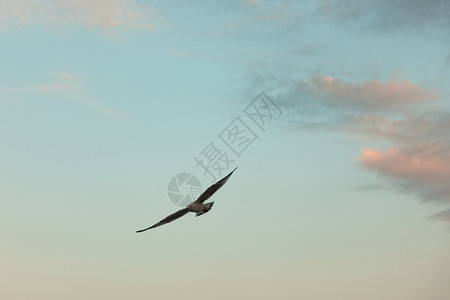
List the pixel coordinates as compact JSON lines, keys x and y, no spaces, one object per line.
{"x":198,"y":206}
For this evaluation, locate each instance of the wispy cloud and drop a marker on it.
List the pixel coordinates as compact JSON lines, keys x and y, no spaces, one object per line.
{"x":387,"y":15}
{"x":70,"y":86}
{"x":57,"y":88}
{"x":442,"y":216}
{"x":60,"y":82}
{"x":369,"y":95}
{"x":417,"y":128}
{"x":103,"y":14}
{"x":59,"y":85}
{"x":251,"y":2}
{"x":417,"y":162}
{"x":420,"y":163}
{"x":64,"y":75}
{"x":372,"y":187}
{"x":254,"y":20}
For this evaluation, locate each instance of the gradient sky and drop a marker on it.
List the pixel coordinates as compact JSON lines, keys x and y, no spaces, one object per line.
{"x":346,"y":195}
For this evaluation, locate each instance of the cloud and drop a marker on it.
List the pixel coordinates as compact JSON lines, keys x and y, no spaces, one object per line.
{"x":251,"y":2}
{"x":371,"y":187}
{"x":64,"y":75}
{"x":330,"y":103}
{"x":61,"y":82}
{"x":416,"y":128}
{"x":419,"y":161}
{"x":69,"y":86}
{"x":56,"y":88}
{"x":427,"y":163}
{"x":446,"y":64}
{"x":255,"y":21}
{"x":388,"y":15}
{"x":59,"y":85}
{"x":442,"y":216}
{"x":369,"y":95}
{"x":104,"y":14}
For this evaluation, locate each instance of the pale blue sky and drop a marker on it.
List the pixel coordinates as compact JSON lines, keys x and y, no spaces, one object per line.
{"x":345,"y":196}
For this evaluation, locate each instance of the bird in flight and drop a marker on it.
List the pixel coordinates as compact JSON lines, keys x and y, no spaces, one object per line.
{"x":197,"y":206}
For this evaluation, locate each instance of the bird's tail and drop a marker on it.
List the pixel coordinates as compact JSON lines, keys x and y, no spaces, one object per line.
{"x":208,"y":208}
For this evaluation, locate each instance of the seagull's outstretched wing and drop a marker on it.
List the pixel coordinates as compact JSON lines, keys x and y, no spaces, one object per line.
{"x":168,"y":219}
{"x":212,"y":189}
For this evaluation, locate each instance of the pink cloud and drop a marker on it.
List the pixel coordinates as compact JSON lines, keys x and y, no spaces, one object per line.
{"x":426,"y":163}
{"x":419,"y":161}
{"x":105,"y":14}
{"x":369,"y":95}
{"x":409,"y":130}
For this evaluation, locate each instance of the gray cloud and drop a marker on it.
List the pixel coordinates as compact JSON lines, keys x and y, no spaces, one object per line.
{"x":369,"y":95}
{"x":388,"y":15}
{"x":442,"y":216}
{"x":418,"y":161}
{"x":417,"y":128}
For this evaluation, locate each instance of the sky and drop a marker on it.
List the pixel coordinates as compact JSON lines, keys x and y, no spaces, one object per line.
{"x":336,"y":113}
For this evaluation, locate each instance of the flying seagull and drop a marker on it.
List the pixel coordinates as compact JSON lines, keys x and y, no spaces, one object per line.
{"x":197,"y":206}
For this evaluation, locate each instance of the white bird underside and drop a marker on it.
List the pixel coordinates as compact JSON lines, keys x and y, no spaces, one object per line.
{"x":198,"y":206}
